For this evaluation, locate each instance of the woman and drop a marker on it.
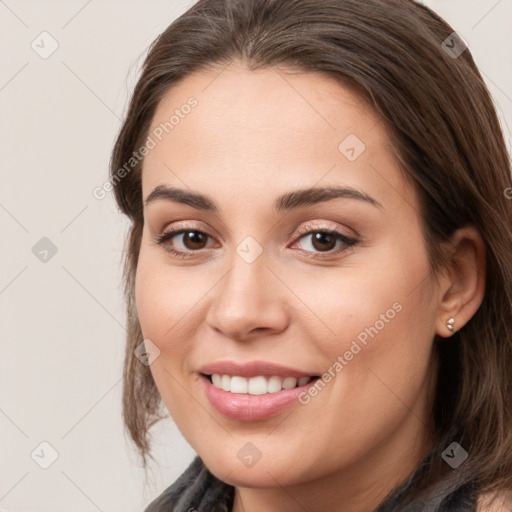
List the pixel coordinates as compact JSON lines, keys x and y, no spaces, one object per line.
{"x":318,"y":260}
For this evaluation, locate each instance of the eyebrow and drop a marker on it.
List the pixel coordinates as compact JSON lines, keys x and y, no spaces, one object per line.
{"x":289,"y":201}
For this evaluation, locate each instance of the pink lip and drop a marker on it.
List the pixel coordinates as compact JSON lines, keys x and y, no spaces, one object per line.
{"x":252,"y":369}
{"x":245,"y":407}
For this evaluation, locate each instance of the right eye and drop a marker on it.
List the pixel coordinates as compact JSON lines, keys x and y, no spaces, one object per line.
{"x":192,"y":240}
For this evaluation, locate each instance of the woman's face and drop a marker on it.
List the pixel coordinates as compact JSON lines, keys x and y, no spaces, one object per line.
{"x":304,"y":251}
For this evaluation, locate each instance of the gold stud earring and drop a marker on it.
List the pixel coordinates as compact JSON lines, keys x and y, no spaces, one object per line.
{"x":450,"y":324}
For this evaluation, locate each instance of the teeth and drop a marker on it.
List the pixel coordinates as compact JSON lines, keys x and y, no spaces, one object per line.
{"x":303,"y":380}
{"x":289,"y":383}
{"x":256,"y":385}
{"x":238,"y":385}
{"x":225,"y":383}
{"x":274,"y":385}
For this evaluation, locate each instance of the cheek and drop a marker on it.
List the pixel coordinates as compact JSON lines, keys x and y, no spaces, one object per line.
{"x":376,"y":338}
{"x":169,"y":301}
{"x":165,"y":297}
{"x":162,"y":303}
{"x":377,"y":325}
{"x":376,"y":301}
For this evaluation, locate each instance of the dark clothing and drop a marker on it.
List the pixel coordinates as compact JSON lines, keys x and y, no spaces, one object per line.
{"x":197,"y":490}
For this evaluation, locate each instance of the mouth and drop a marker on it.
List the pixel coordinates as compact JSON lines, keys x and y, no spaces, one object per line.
{"x":257,"y":398}
{"x":258,"y":385}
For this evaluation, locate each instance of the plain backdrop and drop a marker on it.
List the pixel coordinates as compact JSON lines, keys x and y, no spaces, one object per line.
{"x":62,"y":313}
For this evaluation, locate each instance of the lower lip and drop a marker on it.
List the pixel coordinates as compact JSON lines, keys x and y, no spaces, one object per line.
{"x":245,"y":407}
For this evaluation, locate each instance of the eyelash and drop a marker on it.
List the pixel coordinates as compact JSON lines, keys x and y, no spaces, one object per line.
{"x":164,"y":237}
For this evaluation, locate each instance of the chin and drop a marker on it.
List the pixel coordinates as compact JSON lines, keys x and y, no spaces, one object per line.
{"x":247,"y":463}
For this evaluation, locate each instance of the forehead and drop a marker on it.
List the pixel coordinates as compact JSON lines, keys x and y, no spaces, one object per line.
{"x":267,"y":128}
{"x":282,"y":102}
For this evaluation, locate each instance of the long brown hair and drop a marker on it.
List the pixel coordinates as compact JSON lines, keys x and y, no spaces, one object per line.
{"x":447,"y":139}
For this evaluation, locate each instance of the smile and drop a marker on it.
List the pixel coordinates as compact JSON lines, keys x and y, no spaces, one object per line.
{"x":256,"y":398}
{"x":259,"y":385}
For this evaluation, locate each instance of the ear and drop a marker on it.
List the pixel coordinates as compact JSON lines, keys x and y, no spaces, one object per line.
{"x":462,"y":284}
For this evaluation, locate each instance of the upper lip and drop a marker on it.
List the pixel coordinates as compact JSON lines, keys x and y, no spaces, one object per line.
{"x":252,"y":369}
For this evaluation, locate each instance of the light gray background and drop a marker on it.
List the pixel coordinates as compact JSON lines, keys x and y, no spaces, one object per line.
{"x":62,"y":334}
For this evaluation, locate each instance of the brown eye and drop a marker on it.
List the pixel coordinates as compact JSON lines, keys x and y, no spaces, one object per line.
{"x":323,"y":241}
{"x":326,"y":242}
{"x":194,"y":239}
{"x":183,"y":241}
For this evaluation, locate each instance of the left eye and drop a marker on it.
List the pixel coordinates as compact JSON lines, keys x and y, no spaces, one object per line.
{"x":192,"y":240}
{"x":325,"y":241}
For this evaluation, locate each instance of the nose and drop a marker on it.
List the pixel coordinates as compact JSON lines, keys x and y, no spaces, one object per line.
{"x":250,"y":299}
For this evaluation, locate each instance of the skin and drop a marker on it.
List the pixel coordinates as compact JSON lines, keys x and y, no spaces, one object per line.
{"x":253,"y":136}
